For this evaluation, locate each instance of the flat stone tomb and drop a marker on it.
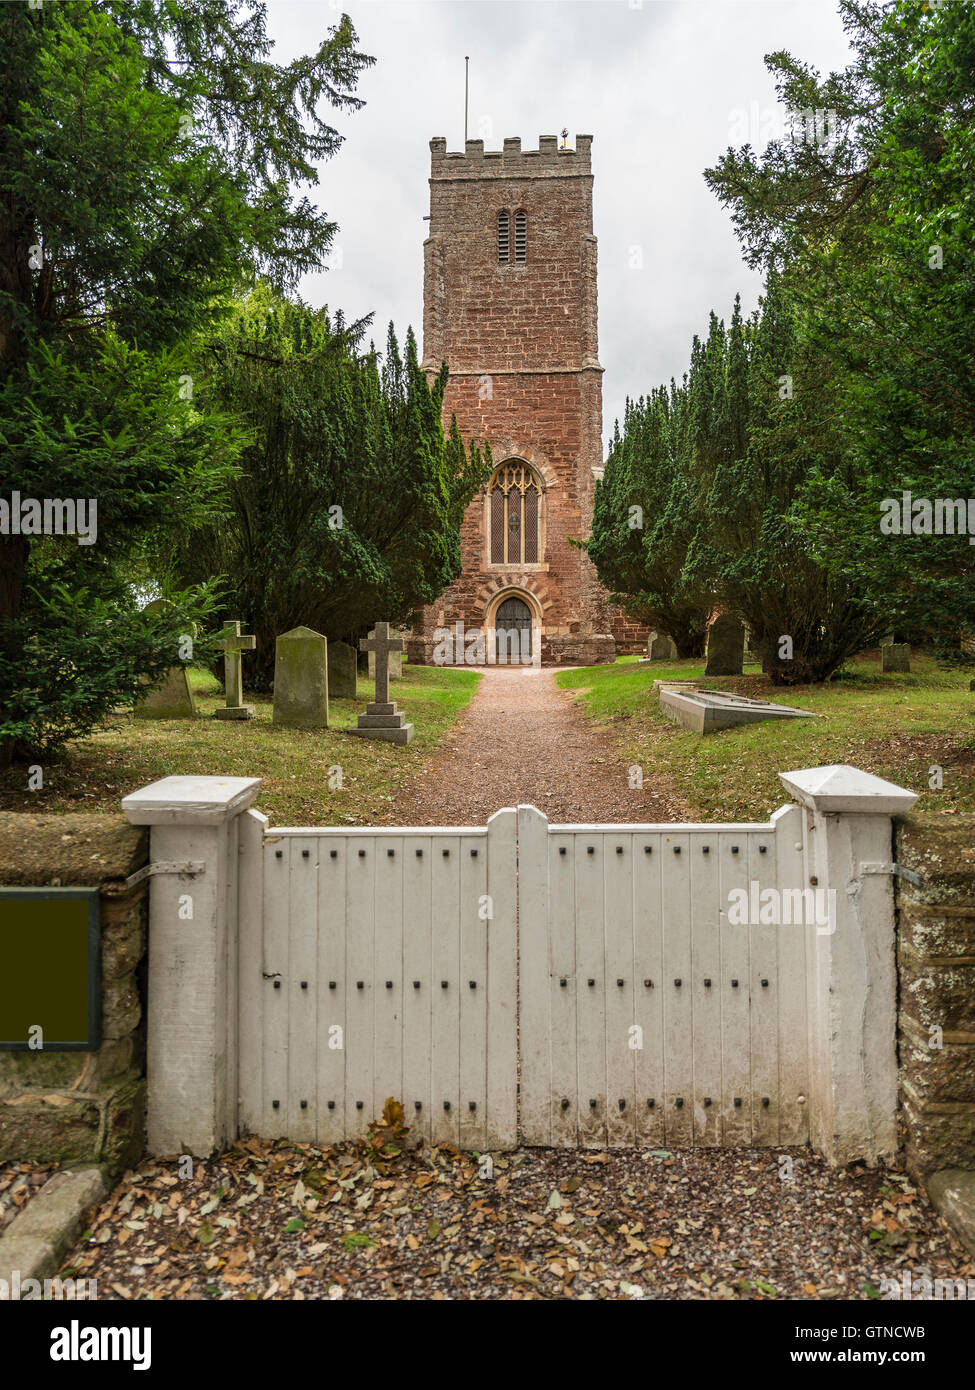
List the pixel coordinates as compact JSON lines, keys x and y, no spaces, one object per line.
{"x":707,"y":711}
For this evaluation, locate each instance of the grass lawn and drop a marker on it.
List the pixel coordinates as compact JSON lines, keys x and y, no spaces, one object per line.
{"x":897,"y":726}
{"x":295,"y":764}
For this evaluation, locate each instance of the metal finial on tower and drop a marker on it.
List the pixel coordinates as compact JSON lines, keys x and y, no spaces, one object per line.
{"x":467,"y":68}
{"x":565,"y":138}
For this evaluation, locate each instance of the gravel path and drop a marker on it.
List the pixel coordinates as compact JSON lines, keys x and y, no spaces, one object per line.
{"x":287,"y":1221}
{"x":523,"y":740}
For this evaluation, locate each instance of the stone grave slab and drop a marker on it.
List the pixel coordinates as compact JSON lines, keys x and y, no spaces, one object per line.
{"x":895,"y":656}
{"x":301,"y":679}
{"x":707,"y":711}
{"x":726,"y":646}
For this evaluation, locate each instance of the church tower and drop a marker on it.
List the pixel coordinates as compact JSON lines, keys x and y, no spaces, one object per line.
{"x":509,"y":303}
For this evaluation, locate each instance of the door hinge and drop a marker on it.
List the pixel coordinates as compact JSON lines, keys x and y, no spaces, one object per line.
{"x":897,"y":870}
{"x":189,"y":868}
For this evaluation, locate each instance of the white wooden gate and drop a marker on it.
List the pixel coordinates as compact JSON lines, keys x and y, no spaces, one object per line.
{"x":373,"y":964}
{"x":548,"y":984}
{"x":647,"y":1017}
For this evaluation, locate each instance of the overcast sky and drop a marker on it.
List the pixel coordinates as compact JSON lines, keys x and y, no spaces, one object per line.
{"x":663,"y":87}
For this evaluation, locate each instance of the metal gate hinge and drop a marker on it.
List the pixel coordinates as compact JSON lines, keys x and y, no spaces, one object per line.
{"x":897,"y":869}
{"x":189,"y":868}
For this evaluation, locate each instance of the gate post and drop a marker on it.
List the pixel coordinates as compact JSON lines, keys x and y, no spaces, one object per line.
{"x":852,"y":981}
{"x":191,"y":1015}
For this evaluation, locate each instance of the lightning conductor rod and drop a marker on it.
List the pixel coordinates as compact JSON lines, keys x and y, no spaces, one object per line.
{"x":467,"y":68}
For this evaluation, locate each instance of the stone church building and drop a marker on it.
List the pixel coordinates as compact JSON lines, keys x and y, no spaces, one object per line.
{"x":509,"y":302}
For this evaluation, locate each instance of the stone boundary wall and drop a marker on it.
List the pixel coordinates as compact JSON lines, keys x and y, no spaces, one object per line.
{"x":82,"y":1107}
{"x":936,"y":966}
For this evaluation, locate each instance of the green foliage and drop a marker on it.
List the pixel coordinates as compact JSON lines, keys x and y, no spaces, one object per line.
{"x":875,"y":234}
{"x":348,"y":505}
{"x":640,"y":529}
{"x":147,"y":155}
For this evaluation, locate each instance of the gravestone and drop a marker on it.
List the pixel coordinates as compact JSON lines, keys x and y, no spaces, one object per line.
{"x":895,"y":656}
{"x":172,"y":698}
{"x":342,"y":671}
{"x":301,"y":679}
{"x":750,"y":656}
{"x":660,"y":647}
{"x":726,"y":646}
{"x":233,"y":644}
{"x":707,"y":711}
{"x":382,"y":719}
{"x":395,"y":657}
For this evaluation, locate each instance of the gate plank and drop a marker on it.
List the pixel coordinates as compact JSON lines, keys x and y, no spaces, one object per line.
{"x":388,"y":1035}
{"x":736,"y":1125}
{"x":591,"y":998}
{"x":678,"y":1055}
{"x":620,"y":1064}
{"x":704,"y":873}
{"x":502,"y":990}
{"x":277,"y":969}
{"x":473,"y":1002}
{"x":418,"y":966}
{"x":764,"y":965}
{"x":360,"y":929}
{"x":332,"y":1003}
{"x":648,"y":1006}
{"x":534,"y":956}
{"x":562,"y":929}
{"x":302,"y":1003}
{"x":445,"y":1082}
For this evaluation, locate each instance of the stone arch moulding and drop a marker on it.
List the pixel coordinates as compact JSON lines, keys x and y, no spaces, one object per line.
{"x":533,"y":595}
{"x":510,"y":451}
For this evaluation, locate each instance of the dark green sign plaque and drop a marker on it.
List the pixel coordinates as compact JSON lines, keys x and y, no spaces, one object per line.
{"x":50,"y":979}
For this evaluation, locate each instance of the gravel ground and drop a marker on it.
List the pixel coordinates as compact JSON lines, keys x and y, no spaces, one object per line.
{"x":378,"y":1220}
{"x":523,"y":740}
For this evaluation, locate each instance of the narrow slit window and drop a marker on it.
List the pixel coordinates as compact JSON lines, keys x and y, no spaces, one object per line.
{"x":521,"y":235}
{"x":504,"y":238}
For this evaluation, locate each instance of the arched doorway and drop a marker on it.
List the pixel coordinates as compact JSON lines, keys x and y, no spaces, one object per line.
{"x":513,"y":633}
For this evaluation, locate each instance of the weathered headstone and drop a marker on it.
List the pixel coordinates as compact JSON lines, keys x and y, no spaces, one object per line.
{"x":395,"y":657}
{"x":382,"y":719}
{"x":301,"y":679}
{"x":232,"y":645}
{"x":726,"y":646}
{"x":895,"y":656}
{"x":750,"y":656}
{"x":172,"y":698}
{"x":660,"y":647}
{"x":342,"y":671}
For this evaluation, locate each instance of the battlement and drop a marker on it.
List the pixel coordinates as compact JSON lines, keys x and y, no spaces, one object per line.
{"x":511,"y":162}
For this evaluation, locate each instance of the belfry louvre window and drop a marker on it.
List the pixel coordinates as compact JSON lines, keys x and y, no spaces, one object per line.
{"x":521,"y":235}
{"x":504,"y":238}
{"x":514,"y":494}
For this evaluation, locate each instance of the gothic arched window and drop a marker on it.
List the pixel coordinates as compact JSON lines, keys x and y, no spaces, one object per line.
{"x":504,"y":237}
{"x":515,"y":497}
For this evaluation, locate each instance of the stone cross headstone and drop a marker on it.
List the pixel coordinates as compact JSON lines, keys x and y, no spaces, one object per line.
{"x":395,"y":658}
{"x":660,"y":647}
{"x":172,"y":698}
{"x":382,"y":719}
{"x":232,"y":645}
{"x":301,"y":679}
{"x":726,"y":646}
{"x":895,"y":656}
{"x":342,"y":679}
